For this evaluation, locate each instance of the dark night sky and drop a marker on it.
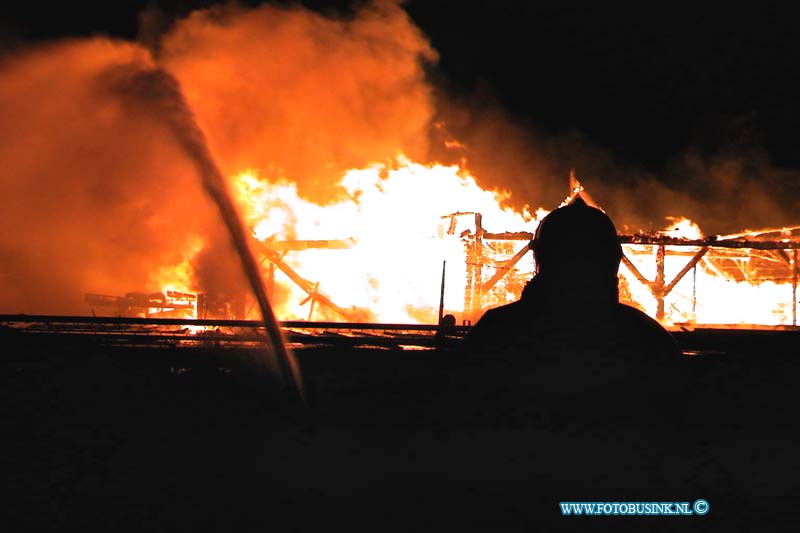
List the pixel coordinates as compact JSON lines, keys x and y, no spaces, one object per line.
{"x":644,"y":79}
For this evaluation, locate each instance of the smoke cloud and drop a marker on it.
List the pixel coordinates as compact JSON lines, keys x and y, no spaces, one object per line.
{"x":723,"y":180}
{"x":95,"y":197}
{"x":726,"y":186}
{"x":312,"y":94}
{"x":99,"y":196}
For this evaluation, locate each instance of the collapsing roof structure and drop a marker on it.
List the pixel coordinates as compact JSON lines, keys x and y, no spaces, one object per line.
{"x":656,"y":262}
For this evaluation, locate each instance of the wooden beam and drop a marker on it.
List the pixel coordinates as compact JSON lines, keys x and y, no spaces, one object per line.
{"x":505,"y":268}
{"x":697,"y":257}
{"x":304,"y":284}
{"x":635,"y":271}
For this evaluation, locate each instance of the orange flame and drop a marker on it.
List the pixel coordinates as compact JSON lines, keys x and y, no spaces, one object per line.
{"x":392,"y":215}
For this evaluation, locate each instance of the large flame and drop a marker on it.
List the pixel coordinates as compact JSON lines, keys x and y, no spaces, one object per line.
{"x":391,"y":223}
{"x":724,"y":287}
{"x":376,"y":253}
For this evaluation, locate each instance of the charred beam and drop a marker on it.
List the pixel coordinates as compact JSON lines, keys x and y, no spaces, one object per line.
{"x":786,"y":258}
{"x":475,"y":259}
{"x":635,"y":271}
{"x":505,"y":268}
{"x":310,"y":289}
{"x":784,"y":232}
{"x":782,"y":244}
{"x":690,"y":265}
{"x":659,"y":240}
{"x":657,"y":287}
{"x":508,"y":236}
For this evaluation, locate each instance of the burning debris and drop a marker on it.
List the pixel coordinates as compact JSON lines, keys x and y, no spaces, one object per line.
{"x":171,"y":304}
{"x":168,"y":304}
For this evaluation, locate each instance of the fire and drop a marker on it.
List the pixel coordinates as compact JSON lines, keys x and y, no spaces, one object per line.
{"x":390,"y":220}
{"x":179,"y":277}
{"x":376,"y":253}
{"x":733,"y":280}
{"x":683,"y":228}
{"x":114,"y":201}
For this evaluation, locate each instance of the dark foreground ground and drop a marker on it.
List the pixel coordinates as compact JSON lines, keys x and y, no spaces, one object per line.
{"x":146,"y":440}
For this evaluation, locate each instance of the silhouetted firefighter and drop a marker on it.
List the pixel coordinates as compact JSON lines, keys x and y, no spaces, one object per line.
{"x":568,"y":338}
{"x":573,"y":300}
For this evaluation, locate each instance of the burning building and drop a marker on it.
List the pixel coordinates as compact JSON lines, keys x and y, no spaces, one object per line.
{"x":678,"y":275}
{"x":384,"y":270}
{"x":353,"y":198}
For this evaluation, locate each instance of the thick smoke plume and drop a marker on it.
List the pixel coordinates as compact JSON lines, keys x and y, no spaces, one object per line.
{"x":314,"y":95}
{"x":100,"y":197}
{"x":94,"y":197}
{"x":156,"y":92}
{"x":723,"y":180}
{"x":725,"y":190}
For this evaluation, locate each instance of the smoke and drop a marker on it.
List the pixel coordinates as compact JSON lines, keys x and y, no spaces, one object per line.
{"x":157,"y":93}
{"x":312,"y":94}
{"x":95,"y":197}
{"x":500,"y":152}
{"x":101,"y":195}
{"x":723,"y":179}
